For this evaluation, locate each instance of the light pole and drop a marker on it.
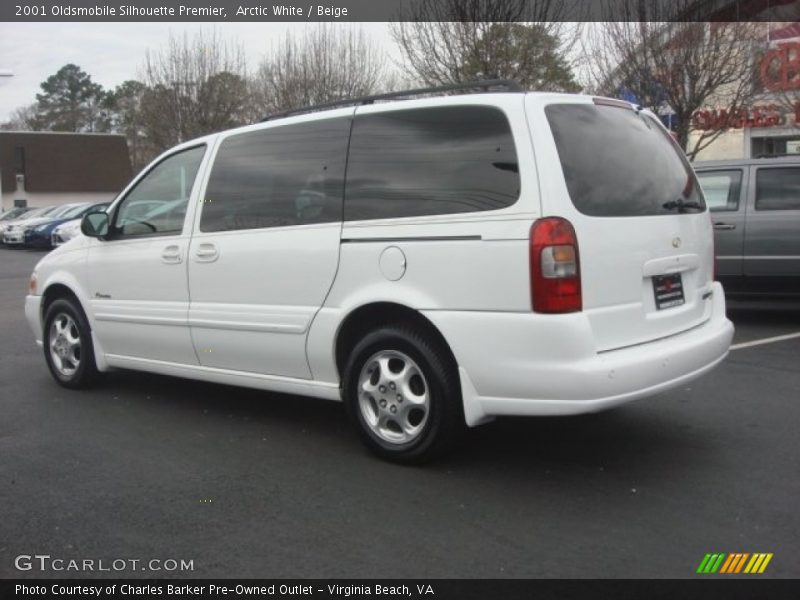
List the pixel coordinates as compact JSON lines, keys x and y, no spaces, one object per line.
{"x":2,"y":206}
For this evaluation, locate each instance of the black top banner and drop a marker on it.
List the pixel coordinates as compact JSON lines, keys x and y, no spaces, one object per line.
{"x":397,"y":10}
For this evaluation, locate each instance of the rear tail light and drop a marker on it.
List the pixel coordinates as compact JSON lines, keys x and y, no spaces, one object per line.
{"x":554,"y":267}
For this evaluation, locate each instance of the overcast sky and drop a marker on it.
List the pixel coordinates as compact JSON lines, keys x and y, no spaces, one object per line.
{"x":114,"y":52}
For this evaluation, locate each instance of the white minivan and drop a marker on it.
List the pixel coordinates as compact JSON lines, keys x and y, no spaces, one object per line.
{"x":432,"y":262}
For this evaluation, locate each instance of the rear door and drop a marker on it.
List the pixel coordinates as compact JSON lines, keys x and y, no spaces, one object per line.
{"x":644,"y":234}
{"x":722,"y":189}
{"x":266,"y":244}
{"x":772,"y":239}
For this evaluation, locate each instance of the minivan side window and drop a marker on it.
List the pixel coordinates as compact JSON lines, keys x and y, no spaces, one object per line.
{"x":778,"y":189}
{"x":721,"y":189}
{"x":430,"y":161}
{"x":288,"y":175}
{"x":157,"y":205}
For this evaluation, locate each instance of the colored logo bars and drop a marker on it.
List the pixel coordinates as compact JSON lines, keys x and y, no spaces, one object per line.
{"x":741,"y":562}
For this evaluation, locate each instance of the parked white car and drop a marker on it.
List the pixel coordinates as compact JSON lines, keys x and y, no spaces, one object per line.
{"x":431,"y":262}
{"x":16,"y":212}
{"x":65,"y":232}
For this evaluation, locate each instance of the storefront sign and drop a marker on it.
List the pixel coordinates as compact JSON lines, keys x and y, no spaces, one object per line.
{"x":765,"y":115}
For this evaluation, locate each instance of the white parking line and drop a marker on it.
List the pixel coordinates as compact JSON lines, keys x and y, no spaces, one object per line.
{"x":771,"y":340}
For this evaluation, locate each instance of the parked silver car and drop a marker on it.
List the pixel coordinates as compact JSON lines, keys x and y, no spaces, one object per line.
{"x":755,"y":207}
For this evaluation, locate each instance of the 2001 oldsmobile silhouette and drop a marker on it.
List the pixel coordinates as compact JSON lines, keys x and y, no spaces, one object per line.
{"x":432,"y":263}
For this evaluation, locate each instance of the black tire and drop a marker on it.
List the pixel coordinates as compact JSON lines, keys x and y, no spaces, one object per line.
{"x":444,"y":420}
{"x":72,"y":319}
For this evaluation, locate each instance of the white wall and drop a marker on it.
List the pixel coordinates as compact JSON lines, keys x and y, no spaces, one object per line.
{"x":730,"y":144}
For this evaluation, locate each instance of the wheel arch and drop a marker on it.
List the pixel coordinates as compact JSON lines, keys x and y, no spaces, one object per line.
{"x":369,"y":317}
{"x":57,"y":290}
{"x":421,"y":334}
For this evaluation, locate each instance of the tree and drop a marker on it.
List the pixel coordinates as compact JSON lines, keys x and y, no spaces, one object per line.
{"x":225,"y":97}
{"x":23,"y":118}
{"x":457,"y":41}
{"x":127,"y":118}
{"x":194,"y":87}
{"x":327,"y":63}
{"x":675,"y":67}
{"x":71,"y":101}
{"x":527,"y":54}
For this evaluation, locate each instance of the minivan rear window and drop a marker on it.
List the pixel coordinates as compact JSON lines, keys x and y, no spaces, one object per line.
{"x":619,"y":162}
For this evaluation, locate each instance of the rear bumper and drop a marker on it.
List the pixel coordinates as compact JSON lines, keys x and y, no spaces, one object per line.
{"x":526,"y":364}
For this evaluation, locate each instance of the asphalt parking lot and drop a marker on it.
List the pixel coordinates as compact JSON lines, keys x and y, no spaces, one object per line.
{"x":248,"y":484}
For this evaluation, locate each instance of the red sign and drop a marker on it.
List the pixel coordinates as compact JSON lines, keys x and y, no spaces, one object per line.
{"x":767,"y":115}
{"x":780,"y":68}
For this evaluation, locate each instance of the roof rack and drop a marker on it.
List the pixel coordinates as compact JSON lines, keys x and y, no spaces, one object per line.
{"x":487,"y":85}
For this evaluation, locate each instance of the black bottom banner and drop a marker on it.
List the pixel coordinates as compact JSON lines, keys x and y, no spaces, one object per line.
{"x":413,"y":589}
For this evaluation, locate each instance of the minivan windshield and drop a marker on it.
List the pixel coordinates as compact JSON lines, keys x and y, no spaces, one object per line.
{"x":618,"y":162}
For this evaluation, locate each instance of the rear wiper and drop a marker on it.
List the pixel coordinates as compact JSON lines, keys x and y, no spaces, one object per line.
{"x":682,"y":206}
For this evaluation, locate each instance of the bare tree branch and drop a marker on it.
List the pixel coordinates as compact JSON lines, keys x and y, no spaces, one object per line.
{"x":23,"y":118}
{"x":675,"y":67}
{"x":326,"y":63}
{"x":195,"y":87}
{"x":456,"y":41}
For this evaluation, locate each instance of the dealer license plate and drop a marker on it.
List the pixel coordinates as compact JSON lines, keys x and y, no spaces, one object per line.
{"x":668,"y":290}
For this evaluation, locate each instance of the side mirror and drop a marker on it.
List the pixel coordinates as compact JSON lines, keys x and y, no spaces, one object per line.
{"x":95,"y":224}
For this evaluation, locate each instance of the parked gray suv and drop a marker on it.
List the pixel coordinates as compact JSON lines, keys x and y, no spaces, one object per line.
{"x":755,"y":207}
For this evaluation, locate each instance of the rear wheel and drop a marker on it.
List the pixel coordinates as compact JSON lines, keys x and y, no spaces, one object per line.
{"x":68,"y":346}
{"x":401,"y":391}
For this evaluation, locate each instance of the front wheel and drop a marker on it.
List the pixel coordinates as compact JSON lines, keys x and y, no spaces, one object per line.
{"x":68,"y":346}
{"x":401,"y":391}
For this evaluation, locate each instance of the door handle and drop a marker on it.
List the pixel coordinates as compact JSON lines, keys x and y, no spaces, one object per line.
{"x":724,"y":226}
{"x":171,"y":255}
{"x":206,"y":253}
